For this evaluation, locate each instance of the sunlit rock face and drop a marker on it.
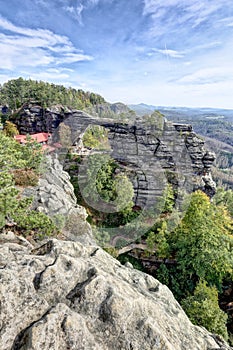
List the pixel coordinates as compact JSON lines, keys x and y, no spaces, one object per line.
{"x":65,"y":295}
{"x":55,"y":197}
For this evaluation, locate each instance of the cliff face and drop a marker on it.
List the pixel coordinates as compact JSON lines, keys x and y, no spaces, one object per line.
{"x":55,"y":197}
{"x":150,"y":152}
{"x":33,"y":119}
{"x":64,"y":295}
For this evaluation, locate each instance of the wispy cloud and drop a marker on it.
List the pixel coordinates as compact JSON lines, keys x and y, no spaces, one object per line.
{"x":170,"y":53}
{"x":52,"y":38}
{"x":75,"y":11}
{"x":48,"y":75}
{"x":180,"y":54}
{"x":207,"y":76}
{"x":190,"y":9}
{"x":76,"y":8}
{"x":160,"y":51}
{"x":35,"y":47}
{"x":175,"y":13}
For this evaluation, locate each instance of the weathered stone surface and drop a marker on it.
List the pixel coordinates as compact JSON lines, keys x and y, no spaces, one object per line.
{"x":55,"y":197}
{"x":64,"y":295}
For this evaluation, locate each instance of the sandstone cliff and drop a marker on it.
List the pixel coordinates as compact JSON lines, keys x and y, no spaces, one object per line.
{"x":64,"y":295}
{"x":150,"y":152}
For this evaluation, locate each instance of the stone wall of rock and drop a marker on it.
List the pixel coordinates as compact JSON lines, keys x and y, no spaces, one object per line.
{"x":152,"y":154}
{"x":63,"y":295}
{"x":173,"y":153}
{"x":33,"y":119}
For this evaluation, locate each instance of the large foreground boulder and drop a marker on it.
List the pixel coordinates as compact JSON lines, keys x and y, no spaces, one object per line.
{"x":63,"y":295}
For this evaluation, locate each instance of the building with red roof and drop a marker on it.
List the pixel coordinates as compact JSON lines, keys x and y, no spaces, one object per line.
{"x":41,"y":138}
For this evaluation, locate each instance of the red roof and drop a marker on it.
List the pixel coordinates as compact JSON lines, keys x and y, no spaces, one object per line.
{"x":40,"y":137}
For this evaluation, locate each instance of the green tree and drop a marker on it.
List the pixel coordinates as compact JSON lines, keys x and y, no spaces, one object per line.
{"x":169,"y":198}
{"x":202,"y":243}
{"x":65,"y":135}
{"x":14,"y":209}
{"x":202,"y":308}
{"x":155,"y":121}
{"x":224,"y":197}
{"x":16,"y":156}
{"x":96,"y":137}
{"x":32,"y":154}
{"x":124,"y":191}
{"x":157,"y":241}
{"x":10,"y":129}
{"x":16,"y":92}
{"x":8,"y":193}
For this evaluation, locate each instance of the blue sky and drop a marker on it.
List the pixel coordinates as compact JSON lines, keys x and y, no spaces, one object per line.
{"x":161,"y":52}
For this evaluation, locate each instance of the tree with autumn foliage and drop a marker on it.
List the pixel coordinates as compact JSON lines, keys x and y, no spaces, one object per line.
{"x":10,"y":129}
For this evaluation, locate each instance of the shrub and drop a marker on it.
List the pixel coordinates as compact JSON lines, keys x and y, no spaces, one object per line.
{"x":36,"y":223}
{"x":25,"y":177}
{"x":203,"y":309}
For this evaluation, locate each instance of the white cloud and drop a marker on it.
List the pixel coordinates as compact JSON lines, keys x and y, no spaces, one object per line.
{"x":208,"y":76}
{"x":35,"y":48}
{"x":73,"y":57}
{"x":48,"y":76}
{"x":173,"y":12}
{"x":52,"y":38}
{"x":170,"y":53}
{"x":75,"y":11}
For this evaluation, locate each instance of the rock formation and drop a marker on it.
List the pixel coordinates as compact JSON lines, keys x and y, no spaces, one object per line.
{"x":55,"y":197}
{"x":152,"y":153}
{"x":31,"y":119}
{"x":64,"y":295}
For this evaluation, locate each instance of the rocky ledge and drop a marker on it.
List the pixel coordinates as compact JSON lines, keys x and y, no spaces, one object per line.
{"x":64,"y":295}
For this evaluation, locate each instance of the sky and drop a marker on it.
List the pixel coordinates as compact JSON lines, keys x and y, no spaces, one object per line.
{"x":159,"y":52}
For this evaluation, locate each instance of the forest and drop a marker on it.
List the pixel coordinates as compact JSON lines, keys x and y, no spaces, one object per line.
{"x":16,"y":92}
{"x":194,"y":259}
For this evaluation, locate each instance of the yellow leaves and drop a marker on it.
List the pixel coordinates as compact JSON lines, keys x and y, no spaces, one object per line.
{"x":10,"y":129}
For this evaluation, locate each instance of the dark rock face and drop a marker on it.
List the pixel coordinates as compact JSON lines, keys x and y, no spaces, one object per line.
{"x":172,"y":153}
{"x":33,"y":119}
{"x":153,"y":154}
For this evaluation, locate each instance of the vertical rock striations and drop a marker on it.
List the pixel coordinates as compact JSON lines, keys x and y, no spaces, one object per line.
{"x":153,"y":153}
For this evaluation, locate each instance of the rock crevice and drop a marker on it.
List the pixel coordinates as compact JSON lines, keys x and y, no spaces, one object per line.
{"x":88,"y":301}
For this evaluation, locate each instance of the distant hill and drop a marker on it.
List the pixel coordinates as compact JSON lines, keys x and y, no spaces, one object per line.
{"x":184,"y":113}
{"x":210,"y":122}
